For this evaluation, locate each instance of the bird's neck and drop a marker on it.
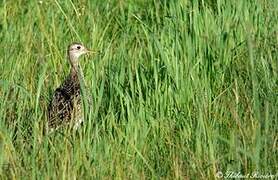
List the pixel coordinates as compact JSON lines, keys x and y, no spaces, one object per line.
{"x":74,"y":65}
{"x":76,"y":71}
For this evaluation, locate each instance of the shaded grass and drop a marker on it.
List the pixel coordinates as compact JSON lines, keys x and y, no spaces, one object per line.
{"x":180,"y":89}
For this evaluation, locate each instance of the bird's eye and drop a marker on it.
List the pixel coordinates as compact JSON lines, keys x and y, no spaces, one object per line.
{"x":78,"y":47}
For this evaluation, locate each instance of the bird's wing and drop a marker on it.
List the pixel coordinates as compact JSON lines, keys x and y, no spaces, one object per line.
{"x":60,"y":108}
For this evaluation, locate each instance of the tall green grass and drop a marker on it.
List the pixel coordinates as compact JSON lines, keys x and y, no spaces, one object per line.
{"x":181,"y":89}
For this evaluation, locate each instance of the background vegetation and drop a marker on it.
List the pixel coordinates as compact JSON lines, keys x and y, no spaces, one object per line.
{"x":181,"y":89}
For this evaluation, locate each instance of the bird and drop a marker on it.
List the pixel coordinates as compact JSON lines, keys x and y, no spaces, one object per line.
{"x":65,"y":107}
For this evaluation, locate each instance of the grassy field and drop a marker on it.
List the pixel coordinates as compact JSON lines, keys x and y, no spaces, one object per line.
{"x":181,"y":89}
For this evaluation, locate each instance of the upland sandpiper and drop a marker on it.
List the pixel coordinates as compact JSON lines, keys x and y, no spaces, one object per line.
{"x":65,"y":106}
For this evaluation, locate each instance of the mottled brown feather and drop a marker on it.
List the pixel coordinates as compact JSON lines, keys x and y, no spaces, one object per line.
{"x":65,"y":106}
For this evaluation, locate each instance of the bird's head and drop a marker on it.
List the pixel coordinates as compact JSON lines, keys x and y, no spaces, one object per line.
{"x":75,"y":50}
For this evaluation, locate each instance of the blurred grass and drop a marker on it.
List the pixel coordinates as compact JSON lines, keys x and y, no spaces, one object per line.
{"x":181,"y":89}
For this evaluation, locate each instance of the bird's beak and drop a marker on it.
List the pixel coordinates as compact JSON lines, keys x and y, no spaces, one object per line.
{"x":90,"y":51}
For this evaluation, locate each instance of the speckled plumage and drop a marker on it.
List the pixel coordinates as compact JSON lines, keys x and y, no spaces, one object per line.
{"x":65,"y":107}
